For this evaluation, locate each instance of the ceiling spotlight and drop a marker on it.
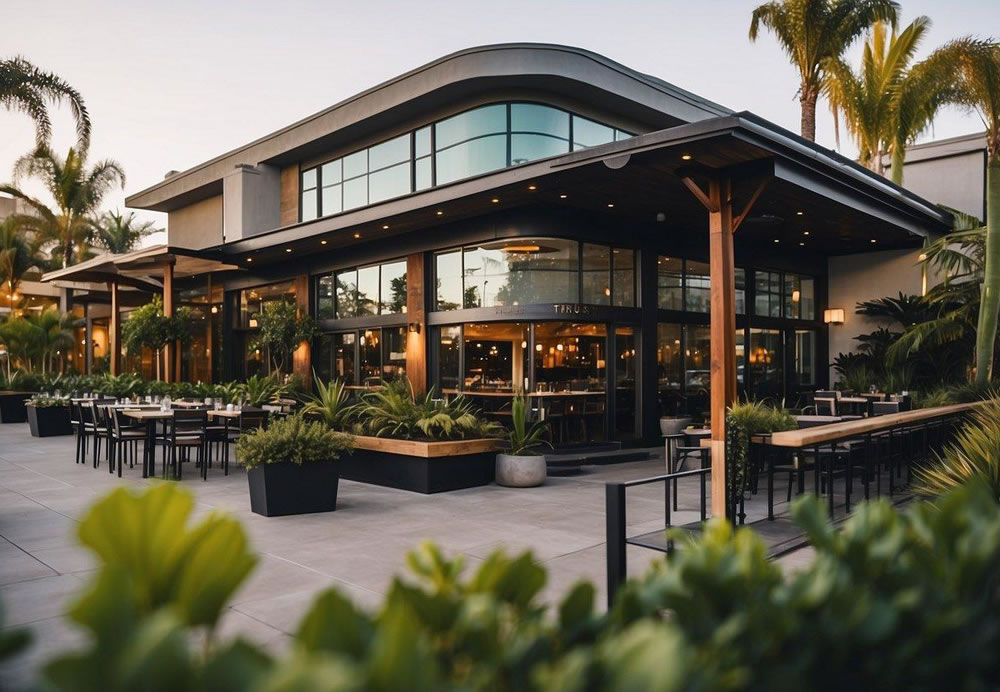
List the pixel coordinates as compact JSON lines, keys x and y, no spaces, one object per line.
{"x":661,"y":216}
{"x":440,"y":213}
{"x":802,"y":244}
{"x":532,"y":187}
{"x":799,"y":213}
{"x":357,"y":235}
{"x":322,"y":242}
{"x":385,"y":227}
{"x":495,"y":200}
{"x":562,"y":196}
{"x":874,"y":241}
{"x":611,"y":205}
{"x":249,"y":259}
{"x":685,"y":157}
{"x":776,"y":240}
{"x":805,"y":232}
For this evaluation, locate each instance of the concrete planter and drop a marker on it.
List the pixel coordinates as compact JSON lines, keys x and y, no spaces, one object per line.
{"x":419,"y":466}
{"x":671,"y":425}
{"x":520,"y":471}
{"x":49,"y":421}
{"x":286,"y":488}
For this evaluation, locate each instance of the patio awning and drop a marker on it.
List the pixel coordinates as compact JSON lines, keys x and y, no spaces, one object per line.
{"x":142,"y":269}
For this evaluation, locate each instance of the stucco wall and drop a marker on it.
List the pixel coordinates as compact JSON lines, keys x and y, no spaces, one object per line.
{"x":956,"y":181}
{"x":196,"y":226}
{"x":857,"y":278}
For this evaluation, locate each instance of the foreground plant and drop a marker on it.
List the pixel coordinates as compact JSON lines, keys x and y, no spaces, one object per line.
{"x":974,"y":455}
{"x":892,"y":600}
{"x":330,"y":403}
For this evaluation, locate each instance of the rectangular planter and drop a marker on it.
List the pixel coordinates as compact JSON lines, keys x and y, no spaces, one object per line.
{"x":49,"y":421}
{"x":12,"y":408}
{"x":287,"y":488}
{"x":421,"y":467}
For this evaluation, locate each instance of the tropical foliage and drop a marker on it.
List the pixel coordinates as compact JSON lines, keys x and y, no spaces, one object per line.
{"x":394,"y":411}
{"x":259,"y":390}
{"x":148,"y":327}
{"x":892,"y":600}
{"x":77,"y":192}
{"x":19,"y":254}
{"x":814,"y":34}
{"x":744,"y":420}
{"x":331,"y":403}
{"x":121,"y":233}
{"x":35,"y":340}
{"x":28,"y":89}
{"x":524,"y":438}
{"x":293,"y":439}
{"x":973,"y":455}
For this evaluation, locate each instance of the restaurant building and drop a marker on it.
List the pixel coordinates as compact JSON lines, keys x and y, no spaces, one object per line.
{"x":521,"y":216}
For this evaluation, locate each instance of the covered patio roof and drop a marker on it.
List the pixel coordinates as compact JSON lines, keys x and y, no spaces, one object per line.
{"x":142,"y":269}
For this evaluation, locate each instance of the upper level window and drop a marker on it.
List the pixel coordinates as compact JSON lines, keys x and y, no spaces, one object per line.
{"x":687,"y":285}
{"x":522,"y":271}
{"x":379,"y":289}
{"x":800,"y":297}
{"x":253,"y":300}
{"x":484,"y":139}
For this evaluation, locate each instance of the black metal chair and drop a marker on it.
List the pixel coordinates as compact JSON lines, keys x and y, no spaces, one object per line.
{"x":94,"y":424}
{"x":124,"y":437}
{"x":185,"y":430}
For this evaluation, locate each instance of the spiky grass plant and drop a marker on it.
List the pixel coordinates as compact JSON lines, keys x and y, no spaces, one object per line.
{"x":975,"y":454}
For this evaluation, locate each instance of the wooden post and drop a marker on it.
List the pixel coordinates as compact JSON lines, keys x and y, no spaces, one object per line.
{"x":168,"y":311}
{"x":114,"y":330}
{"x":302,"y":357}
{"x":723,"y":331}
{"x":416,"y":324}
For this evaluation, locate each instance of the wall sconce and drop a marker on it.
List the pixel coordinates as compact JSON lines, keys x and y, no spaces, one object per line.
{"x":253,"y":323}
{"x":413,"y":327}
{"x":834,"y":316}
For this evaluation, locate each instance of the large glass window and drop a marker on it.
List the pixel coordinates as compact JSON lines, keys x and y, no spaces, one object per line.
{"x":379,"y":289}
{"x":496,"y":357}
{"x":596,"y":274}
{"x":478,"y":141}
{"x":766,"y":363}
{"x":800,"y":297}
{"x":697,"y":286}
{"x":767,"y":298}
{"x":334,"y":357}
{"x":669,"y":350}
{"x":670,"y":283}
{"x":624,"y":277}
{"x":519,"y":272}
{"x":253,"y":300}
{"x":393,"y":352}
{"x":448,"y":355}
{"x":370,"y":357}
{"x":448,"y":276}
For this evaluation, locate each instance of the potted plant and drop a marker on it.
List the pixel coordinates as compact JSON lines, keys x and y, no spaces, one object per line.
{"x":330,"y":404}
{"x":671,"y":425}
{"x":259,"y":391}
{"x":420,"y":443}
{"x":292,"y":466}
{"x":48,"y":416}
{"x":522,"y":466}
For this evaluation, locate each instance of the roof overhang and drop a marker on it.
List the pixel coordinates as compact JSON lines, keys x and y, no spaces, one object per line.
{"x":845,"y":205}
{"x":142,"y":269}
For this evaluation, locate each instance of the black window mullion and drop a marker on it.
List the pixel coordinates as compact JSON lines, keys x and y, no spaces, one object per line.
{"x":508,"y":136}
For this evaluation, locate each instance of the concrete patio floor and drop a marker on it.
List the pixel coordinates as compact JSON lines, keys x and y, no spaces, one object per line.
{"x":357,"y":549}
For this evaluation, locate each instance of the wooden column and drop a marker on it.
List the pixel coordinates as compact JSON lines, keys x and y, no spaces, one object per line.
{"x":723,"y":330}
{"x":416,"y":324}
{"x":302,"y":358}
{"x":169,"y":369}
{"x":114,"y":330}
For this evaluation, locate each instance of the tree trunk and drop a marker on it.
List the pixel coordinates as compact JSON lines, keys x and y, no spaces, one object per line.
{"x":989,"y":305}
{"x":898,"y":159}
{"x":807,"y":100}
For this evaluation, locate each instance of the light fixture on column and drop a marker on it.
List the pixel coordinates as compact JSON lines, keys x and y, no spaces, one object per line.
{"x":413,"y":327}
{"x":834,"y":316}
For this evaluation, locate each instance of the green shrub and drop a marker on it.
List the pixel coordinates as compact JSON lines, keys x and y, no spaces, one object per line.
{"x":291,"y":439}
{"x":40,"y":401}
{"x":394,"y":411}
{"x":894,"y":600}
{"x":259,"y":390}
{"x":331,"y":403}
{"x":744,"y":420}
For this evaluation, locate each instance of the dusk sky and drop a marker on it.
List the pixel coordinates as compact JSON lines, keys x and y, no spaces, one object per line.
{"x":172,"y":84}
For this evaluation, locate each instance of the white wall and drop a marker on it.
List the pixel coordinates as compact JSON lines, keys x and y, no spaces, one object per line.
{"x":857,"y":278}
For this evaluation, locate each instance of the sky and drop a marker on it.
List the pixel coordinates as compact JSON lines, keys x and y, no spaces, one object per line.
{"x":172,"y":84}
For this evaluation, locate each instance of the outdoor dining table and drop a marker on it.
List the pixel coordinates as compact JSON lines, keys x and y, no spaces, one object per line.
{"x":149,"y":417}
{"x":226,"y":416}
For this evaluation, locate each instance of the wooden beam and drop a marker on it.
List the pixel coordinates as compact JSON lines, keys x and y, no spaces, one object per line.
{"x":416,"y":318}
{"x":741,"y":217}
{"x":114,"y":329}
{"x":302,"y":357}
{"x":699,"y":194}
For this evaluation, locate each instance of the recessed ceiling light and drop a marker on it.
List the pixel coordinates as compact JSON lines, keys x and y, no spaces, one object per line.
{"x":802,"y":244}
{"x":495,"y":200}
{"x":805,"y":232}
{"x":776,"y":240}
{"x":249,"y":259}
{"x":440,"y":213}
{"x":685,"y":157}
{"x":322,"y":242}
{"x":799,"y":213}
{"x":562,"y":196}
{"x":611,"y":205}
{"x":357,"y":235}
{"x":385,"y":227}
{"x":288,"y":249}
{"x":874,"y":241}
{"x":532,"y":187}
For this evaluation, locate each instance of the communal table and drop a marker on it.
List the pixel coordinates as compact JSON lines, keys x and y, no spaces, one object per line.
{"x":149,"y":417}
{"x":806,"y":439}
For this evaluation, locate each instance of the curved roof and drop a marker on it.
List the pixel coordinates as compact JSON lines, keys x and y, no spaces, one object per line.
{"x":562,"y":69}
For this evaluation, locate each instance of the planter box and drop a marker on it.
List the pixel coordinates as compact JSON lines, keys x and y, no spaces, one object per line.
{"x":420,"y":467}
{"x":49,"y":421}
{"x":287,"y":488}
{"x":12,"y":409}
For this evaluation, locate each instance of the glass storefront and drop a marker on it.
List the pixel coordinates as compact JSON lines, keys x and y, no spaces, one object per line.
{"x":361,"y":358}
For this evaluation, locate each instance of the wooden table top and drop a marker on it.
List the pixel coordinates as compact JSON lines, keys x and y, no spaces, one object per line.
{"x":222,"y":413}
{"x":147,"y":414}
{"x":697,"y":432}
{"x":845,"y":399}
{"x":818,"y":419}
{"x":187,"y":404}
{"x":527,"y":395}
{"x":807,"y":437}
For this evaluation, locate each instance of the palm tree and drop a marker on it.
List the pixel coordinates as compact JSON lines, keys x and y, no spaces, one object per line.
{"x":37,"y":338}
{"x":25,"y":88}
{"x":120,"y":233}
{"x":979,"y":72}
{"x":815,"y":32}
{"x":19,"y":253}
{"x":77,"y":192}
